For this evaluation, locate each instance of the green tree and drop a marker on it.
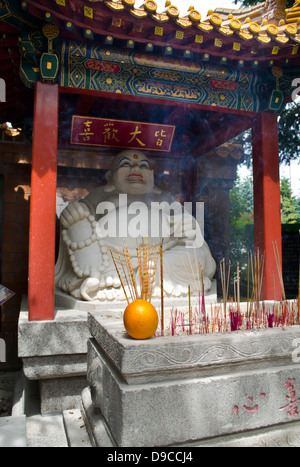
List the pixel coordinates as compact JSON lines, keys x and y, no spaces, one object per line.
{"x":241,"y":226}
{"x":289,"y":132}
{"x":242,"y":220}
{"x":290,"y":213}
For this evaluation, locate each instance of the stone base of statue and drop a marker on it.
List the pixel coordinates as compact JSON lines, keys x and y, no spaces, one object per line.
{"x":238,"y":388}
{"x":115,"y":307}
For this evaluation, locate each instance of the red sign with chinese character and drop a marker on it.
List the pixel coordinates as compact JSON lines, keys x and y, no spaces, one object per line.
{"x":121,"y":133}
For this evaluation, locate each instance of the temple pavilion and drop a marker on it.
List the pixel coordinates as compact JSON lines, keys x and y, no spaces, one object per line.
{"x":211,"y":78}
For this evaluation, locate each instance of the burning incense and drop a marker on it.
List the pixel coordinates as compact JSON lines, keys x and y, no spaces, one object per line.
{"x":279,"y":269}
{"x":190,"y":312}
{"x":162,"y":287}
{"x":147,"y":269}
{"x":130,"y":270}
{"x":126,"y":278}
{"x":138,"y":251}
{"x":154,"y":271}
{"x":238,"y":286}
{"x":119,"y":276}
{"x":225,"y":284}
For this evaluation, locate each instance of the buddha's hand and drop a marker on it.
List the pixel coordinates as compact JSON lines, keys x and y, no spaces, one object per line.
{"x":89,"y":288}
{"x":73,"y":213}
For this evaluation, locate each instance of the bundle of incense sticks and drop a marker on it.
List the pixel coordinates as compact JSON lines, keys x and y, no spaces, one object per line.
{"x":283,"y":314}
{"x":195,"y":276}
{"x":255,"y":265}
{"x":162,"y":317}
{"x":225,"y":283}
{"x":279,"y":269}
{"x":147,"y":262}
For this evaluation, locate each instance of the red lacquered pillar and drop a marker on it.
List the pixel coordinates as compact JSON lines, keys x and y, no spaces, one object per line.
{"x":266,"y":185}
{"x":43,"y":203}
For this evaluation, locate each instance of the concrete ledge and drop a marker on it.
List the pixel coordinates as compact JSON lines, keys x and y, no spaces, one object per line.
{"x":67,"y":334}
{"x":55,"y":366}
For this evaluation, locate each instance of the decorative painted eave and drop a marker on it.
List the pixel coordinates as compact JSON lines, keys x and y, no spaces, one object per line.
{"x":262,"y":38}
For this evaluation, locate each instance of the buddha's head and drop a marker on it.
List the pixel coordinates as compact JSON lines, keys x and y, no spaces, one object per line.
{"x":130,"y":173}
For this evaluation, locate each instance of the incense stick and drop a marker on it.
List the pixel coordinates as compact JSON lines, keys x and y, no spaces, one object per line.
{"x":162,"y":287}
{"x":119,"y":276}
{"x":129,"y":285}
{"x":138,"y":251}
{"x":190,"y":312}
{"x":279,"y":269}
{"x":156,"y":256}
{"x":131,"y":274}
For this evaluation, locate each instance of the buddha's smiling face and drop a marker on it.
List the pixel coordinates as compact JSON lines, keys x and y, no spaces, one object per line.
{"x":131,"y":173}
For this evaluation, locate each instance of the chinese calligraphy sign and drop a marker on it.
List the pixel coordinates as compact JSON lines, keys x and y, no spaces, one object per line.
{"x":291,"y":406}
{"x":249,"y":408}
{"x":121,"y":133}
{"x":291,"y":398}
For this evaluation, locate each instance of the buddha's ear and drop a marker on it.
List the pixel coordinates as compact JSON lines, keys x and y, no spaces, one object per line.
{"x":156,"y":190}
{"x":109,"y":186}
{"x":108,"y":176}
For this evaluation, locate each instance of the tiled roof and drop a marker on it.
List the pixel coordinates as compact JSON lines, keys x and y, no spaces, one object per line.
{"x":268,"y":25}
{"x":264,"y":23}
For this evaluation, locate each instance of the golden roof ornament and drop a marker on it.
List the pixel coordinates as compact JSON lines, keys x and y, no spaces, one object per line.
{"x":172,"y":11}
{"x":194,"y":15}
{"x":129,"y":3}
{"x":150,"y":6}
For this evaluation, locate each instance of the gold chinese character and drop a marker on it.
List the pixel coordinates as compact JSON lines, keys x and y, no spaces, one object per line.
{"x":134,"y":136}
{"x":87,"y":133}
{"x":161,"y":133}
{"x":110,"y":133}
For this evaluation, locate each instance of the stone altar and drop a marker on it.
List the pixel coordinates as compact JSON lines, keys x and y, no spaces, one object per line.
{"x":217,"y":389}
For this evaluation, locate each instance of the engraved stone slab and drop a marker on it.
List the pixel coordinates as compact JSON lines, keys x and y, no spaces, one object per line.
{"x":180,"y":356}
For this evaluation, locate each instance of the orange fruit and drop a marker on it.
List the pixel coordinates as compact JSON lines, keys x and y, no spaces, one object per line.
{"x":140,"y":319}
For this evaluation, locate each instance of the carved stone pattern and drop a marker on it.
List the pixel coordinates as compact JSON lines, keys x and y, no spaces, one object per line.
{"x":197,"y":355}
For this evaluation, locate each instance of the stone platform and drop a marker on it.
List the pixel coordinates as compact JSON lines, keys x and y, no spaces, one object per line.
{"x":185,"y":390}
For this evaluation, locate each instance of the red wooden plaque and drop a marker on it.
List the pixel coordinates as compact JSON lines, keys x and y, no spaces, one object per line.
{"x":121,"y":133}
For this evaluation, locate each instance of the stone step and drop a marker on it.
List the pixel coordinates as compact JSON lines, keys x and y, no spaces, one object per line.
{"x":13,"y":432}
{"x":75,"y":429}
{"x":46,"y":431}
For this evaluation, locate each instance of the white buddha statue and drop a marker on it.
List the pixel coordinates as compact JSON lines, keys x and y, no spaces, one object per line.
{"x":128,"y":208}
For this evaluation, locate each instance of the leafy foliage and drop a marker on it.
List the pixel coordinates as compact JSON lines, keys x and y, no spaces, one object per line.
{"x":290,"y":206}
{"x":241,"y":220}
{"x":289,"y":133}
{"x":241,"y":225}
